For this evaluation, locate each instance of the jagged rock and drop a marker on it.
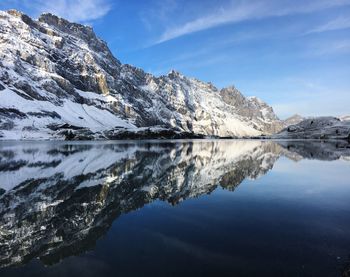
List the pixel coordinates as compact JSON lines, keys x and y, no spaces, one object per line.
{"x":51,"y":64}
{"x":252,"y":108}
{"x":293,"y":120}
{"x":317,"y":128}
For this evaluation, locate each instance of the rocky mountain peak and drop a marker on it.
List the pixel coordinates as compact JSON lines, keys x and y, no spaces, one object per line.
{"x":59,"y":78}
{"x":296,"y":116}
{"x":232,"y":89}
{"x":256,"y":100}
{"x":232,"y":96}
{"x":23,"y":17}
{"x":15,"y":13}
{"x":173,"y":74}
{"x":294,"y":119}
{"x":82,"y":31}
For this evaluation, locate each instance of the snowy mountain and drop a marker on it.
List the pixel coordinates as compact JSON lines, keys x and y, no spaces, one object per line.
{"x":293,"y":120}
{"x":58,"y":80}
{"x":317,"y":128}
{"x":345,"y":118}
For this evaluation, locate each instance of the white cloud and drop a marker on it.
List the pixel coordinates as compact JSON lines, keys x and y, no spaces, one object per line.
{"x":159,"y":11}
{"x":321,"y":48}
{"x":238,"y":11}
{"x":339,"y":23}
{"x":221,"y":16}
{"x":77,"y":11}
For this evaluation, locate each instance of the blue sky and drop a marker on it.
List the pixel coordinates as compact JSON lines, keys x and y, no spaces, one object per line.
{"x":294,"y":54}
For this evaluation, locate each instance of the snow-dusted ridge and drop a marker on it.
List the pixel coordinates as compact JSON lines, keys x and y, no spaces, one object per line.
{"x":345,"y":118}
{"x":59,"y":81}
{"x":326,"y":127}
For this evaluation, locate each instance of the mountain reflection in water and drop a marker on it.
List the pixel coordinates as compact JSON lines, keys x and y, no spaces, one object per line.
{"x":58,"y":199}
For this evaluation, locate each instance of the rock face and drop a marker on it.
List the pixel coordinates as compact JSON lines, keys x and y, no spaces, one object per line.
{"x":317,"y":128}
{"x":58,"y":80}
{"x":293,"y":120}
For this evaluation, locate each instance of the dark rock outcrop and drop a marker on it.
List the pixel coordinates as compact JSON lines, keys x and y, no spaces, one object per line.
{"x":324,"y":128}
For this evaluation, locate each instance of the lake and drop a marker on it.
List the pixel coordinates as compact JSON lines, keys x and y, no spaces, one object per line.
{"x":175,"y":208}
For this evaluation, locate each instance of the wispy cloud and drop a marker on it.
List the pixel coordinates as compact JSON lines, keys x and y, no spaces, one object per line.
{"x":321,"y":48}
{"x":238,"y":11}
{"x":160,"y":11}
{"x":221,"y":16}
{"x":339,"y":23}
{"x":191,"y":58}
{"x":77,"y":11}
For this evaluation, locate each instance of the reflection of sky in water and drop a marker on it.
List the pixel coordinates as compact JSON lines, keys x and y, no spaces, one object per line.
{"x":292,"y":221}
{"x":270,"y":226}
{"x":310,"y":182}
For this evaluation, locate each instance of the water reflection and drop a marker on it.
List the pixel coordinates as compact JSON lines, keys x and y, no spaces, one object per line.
{"x":57,"y":199}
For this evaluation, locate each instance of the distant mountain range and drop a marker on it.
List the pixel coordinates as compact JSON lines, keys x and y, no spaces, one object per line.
{"x":58,"y":80}
{"x":344,"y":117}
{"x":325,"y":127}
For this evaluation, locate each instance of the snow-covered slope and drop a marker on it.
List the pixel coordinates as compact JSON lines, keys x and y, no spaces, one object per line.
{"x":58,"y":80}
{"x":317,"y":128}
{"x":345,"y":118}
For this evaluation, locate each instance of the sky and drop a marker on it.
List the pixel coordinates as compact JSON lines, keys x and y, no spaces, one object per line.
{"x":293,"y":54}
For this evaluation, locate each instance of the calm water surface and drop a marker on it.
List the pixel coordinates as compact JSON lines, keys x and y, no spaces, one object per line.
{"x":175,"y":208}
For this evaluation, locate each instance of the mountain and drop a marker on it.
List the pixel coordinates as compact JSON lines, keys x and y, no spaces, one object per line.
{"x":293,"y":120}
{"x":58,"y":80}
{"x":50,"y":209}
{"x":317,"y":128}
{"x":345,"y":118}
